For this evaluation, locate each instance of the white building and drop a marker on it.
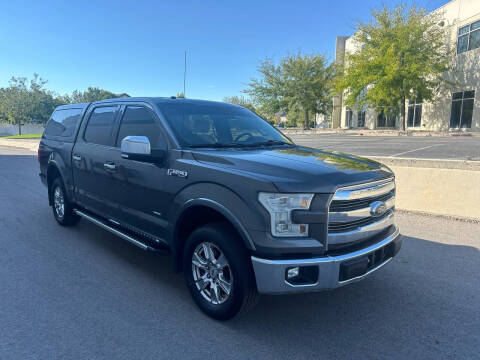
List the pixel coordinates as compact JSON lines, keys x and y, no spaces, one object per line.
{"x":454,"y":109}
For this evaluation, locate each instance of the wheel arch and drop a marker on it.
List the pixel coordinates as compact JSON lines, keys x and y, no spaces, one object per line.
{"x":52,"y":173}
{"x":202,"y":211}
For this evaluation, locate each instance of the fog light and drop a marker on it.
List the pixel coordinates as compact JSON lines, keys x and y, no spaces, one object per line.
{"x":293,"y":272}
{"x":302,"y":275}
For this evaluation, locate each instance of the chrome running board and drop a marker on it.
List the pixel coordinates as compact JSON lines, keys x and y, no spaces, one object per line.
{"x":117,"y":232}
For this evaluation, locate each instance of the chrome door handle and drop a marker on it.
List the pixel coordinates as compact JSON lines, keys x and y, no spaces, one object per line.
{"x":76,"y":157}
{"x":109,"y":166}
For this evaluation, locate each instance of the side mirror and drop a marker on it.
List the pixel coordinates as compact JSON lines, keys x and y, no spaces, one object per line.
{"x":138,"y":148}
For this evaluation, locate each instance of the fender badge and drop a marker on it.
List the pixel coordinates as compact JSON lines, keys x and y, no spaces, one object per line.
{"x":179,"y":173}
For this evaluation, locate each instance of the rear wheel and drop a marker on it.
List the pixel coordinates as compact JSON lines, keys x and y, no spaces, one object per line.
{"x":218,"y":272}
{"x":62,"y":208}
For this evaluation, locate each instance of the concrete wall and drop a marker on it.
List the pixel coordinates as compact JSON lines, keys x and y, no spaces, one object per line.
{"x":438,"y":191}
{"x":465,"y":76}
{"x":6,"y":130}
{"x":440,"y":187}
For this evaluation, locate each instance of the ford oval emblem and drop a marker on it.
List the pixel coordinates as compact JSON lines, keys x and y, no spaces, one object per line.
{"x":377,"y":208}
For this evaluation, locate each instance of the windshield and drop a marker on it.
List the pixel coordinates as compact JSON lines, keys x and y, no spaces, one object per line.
{"x":199,"y":125}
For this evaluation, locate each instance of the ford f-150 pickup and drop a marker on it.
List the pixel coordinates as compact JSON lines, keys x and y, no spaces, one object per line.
{"x":240,"y":207}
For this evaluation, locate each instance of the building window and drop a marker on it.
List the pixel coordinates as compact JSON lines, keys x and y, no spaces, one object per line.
{"x":414,"y":116}
{"x":462,"y":109}
{"x":361,"y":119}
{"x":468,"y":37}
{"x":348,"y":117}
{"x":386,"y":121}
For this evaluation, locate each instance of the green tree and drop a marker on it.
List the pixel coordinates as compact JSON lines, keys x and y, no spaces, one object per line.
{"x":15,"y":102}
{"x":296,"y":116}
{"x":90,"y":95}
{"x":27,"y":100}
{"x":302,"y":82}
{"x":241,"y":101}
{"x":24,"y":101}
{"x":402,"y":54}
{"x":43,"y":101}
{"x":266,"y":113}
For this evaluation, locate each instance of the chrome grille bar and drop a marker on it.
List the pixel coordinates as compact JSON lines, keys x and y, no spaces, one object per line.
{"x":364,"y":191}
{"x":361,"y":233}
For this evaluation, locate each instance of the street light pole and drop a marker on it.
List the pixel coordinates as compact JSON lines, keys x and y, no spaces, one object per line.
{"x":184,"y":72}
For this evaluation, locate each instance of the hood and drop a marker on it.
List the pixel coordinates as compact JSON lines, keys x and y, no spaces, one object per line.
{"x":298,"y":169}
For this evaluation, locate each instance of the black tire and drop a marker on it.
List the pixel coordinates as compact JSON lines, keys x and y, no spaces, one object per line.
{"x":68,"y":218}
{"x":243,"y":295}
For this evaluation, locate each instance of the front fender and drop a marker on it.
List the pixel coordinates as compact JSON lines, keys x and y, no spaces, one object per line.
{"x":243,"y":214}
{"x":247,"y":240}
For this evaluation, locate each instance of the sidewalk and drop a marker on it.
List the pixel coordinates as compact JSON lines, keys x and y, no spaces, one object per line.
{"x":29,"y":144}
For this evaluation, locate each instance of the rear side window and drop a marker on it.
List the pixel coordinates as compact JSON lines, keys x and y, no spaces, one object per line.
{"x":100,"y":125}
{"x":63,"y":122}
{"x":139,"y":121}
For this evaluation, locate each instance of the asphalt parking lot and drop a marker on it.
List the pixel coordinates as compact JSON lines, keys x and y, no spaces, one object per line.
{"x":74,"y":293}
{"x":421,"y":147}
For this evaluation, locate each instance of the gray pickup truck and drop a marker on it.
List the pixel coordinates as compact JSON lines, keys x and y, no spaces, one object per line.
{"x":239,"y":206}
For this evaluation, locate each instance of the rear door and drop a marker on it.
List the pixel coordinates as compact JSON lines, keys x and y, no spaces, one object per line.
{"x":93,"y":164}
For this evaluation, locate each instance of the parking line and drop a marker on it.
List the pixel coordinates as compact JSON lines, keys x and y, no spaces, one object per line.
{"x":409,"y":151}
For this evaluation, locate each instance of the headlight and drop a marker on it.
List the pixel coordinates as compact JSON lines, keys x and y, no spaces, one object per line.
{"x":280,"y":207}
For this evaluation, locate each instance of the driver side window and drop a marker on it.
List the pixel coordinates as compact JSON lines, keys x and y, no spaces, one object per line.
{"x":139,"y":121}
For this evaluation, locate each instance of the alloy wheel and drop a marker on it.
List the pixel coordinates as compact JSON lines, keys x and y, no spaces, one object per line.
{"x":212,"y":273}
{"x":59,"y":202}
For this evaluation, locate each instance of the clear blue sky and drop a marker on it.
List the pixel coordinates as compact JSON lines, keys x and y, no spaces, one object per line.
{"x":138,"y":47}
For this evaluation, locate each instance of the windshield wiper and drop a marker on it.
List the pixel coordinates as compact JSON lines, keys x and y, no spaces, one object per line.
{"x":269,"y":143}
{"x":240,"y":145}
{"x":216,"y":145}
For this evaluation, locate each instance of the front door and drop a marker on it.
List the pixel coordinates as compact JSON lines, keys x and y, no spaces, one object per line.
{"x":141,"y":185}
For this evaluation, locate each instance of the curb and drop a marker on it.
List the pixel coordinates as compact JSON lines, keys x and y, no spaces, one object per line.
{"x":442,"y":216}
{"x":417,"y":133}
{"x":428,"y":163}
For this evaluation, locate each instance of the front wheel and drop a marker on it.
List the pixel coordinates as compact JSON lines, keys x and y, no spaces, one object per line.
{"x":218,"y":272}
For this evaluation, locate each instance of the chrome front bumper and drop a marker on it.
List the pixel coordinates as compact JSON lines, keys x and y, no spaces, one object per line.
{"x":271,"y":274}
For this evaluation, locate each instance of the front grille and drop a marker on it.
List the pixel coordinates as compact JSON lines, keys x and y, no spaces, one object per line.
{"x":348,"y":205}
{"x":350,"y":212}
{"x":339,"y":227}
